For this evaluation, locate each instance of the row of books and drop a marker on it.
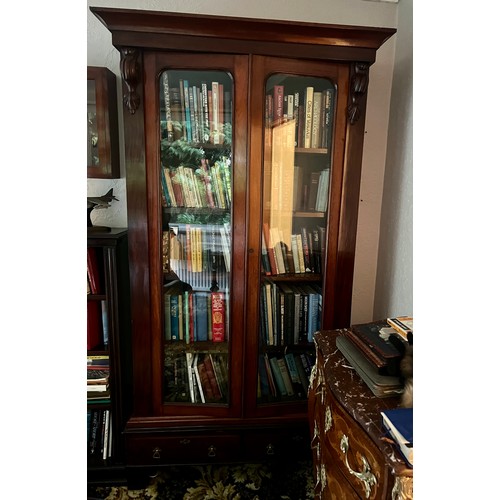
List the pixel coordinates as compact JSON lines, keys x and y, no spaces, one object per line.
{"x":99,"y":433}
{"x":199,"y":377}
{"x":198,"y":246}
{"x":311,"y":110}
{"x":290,"y":314}
{"x":304,"y":255}
{"x":204,"y":186}
{"x":196,"y":113}
{"x":310,"y":192}
{"x":194,"y":316}
{"x":284,"y":376}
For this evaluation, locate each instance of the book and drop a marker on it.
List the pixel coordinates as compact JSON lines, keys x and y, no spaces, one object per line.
{"x":285,"y":375}
{"x":93,"y":272}
{"x":278,"y":104}
{"x":381,"y":385}
{"x":399,"y":423}
{"x":402,"y":324}
{"x":278,"y":377}
{"x":197,"y":378}
{"x":168,"y":110}
{"x":370,"y":334}
{"x":316,"y":120}
{"x":216,"y":391}
{"x":218,"y":316}
{"x":381,"y":364}
{"x":308,"y":113}
{"x":94,"y":324}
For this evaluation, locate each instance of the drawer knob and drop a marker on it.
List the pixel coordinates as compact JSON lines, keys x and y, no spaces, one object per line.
{"x":366,"y":475}
{"x":211,"y":450}
{"x":270,"y":449}
{"x":156,"y":453}
{"x":185,"y":441}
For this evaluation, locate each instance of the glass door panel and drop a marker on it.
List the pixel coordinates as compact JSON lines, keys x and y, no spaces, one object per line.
{"x":297,"y":161}
{"x":196,"y":189}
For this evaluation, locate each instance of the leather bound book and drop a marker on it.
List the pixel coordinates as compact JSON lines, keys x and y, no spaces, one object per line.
{"x":369,"y":333}
{"x":377,"y":361}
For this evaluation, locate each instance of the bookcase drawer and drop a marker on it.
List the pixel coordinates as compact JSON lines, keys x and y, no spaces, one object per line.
{"x":182,"y":449}
{"x":266,"y":445}
{"x":353,"y":452}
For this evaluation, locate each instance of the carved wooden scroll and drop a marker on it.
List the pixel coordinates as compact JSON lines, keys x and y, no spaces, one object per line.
{"x":358,"y":87}
{"x":130,"y":70}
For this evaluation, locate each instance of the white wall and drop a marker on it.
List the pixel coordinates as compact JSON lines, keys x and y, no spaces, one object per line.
{"x":100,"y":52}
{"x":394,"y":285}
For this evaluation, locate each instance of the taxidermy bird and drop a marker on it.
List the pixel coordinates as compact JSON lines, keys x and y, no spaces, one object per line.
{"x":97,"y":202}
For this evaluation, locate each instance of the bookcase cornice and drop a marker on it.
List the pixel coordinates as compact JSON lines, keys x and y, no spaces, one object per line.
{"x":194,"y":32}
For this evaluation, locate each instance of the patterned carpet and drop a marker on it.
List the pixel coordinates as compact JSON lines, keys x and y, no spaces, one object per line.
{"x":235,"y":482}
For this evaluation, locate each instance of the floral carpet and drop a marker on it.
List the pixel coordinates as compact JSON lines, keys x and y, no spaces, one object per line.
{"x":232,"y":482}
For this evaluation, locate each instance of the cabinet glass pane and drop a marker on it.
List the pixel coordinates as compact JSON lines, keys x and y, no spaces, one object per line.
{"x":92,"y":143}
{"x":196,"y":189}
{"x":297,"y":161}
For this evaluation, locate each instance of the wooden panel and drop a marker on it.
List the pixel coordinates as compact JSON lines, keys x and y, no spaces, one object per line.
{"x":182,"y":448}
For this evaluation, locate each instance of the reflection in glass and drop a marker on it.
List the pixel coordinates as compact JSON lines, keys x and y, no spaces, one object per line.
{"x":299,"y":114}
{"x":92,"y":137}
{"x":196,"y":190}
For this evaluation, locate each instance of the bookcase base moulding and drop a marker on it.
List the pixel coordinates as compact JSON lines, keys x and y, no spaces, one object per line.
{"x":243,"y":142}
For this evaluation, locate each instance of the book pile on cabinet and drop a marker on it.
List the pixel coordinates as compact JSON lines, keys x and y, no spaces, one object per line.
{"x":375,"y":351}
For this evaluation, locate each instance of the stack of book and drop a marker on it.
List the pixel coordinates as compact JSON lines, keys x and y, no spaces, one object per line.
{"x":375,"y":351}
{"x":98,"y":379}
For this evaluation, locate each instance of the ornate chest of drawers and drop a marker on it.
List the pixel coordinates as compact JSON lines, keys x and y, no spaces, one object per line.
{"x":352,"y":459}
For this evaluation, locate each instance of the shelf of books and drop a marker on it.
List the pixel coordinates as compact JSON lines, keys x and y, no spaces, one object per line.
{"x":107,"y":347}
{"x":196,"y":186}
{"x":297,"y":151}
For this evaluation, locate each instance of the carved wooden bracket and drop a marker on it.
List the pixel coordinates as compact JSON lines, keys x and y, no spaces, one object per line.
{"x":130,"y":70}
{"x":358,"y":88}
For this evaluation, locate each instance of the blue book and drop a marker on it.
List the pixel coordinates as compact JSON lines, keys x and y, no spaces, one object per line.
{"x":174,"y":317}
{"x":187,"y":110}
{"x":399,"y":424}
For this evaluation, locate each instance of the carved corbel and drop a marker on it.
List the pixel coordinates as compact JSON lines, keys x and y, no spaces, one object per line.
{"x":358,"y":88}
{"x":131,"y":71}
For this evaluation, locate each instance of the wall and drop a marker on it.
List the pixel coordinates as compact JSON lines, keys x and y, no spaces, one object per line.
{"x":100,"y":52}
{"x":394,"y":284}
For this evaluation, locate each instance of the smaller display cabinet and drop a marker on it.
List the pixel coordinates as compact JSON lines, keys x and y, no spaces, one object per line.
{"x":103,"y":161}
{"x":108,"y":354}
{"x":351,"y":457}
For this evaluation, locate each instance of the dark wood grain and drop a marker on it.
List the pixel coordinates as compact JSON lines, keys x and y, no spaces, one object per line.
{"x":250,"y":50}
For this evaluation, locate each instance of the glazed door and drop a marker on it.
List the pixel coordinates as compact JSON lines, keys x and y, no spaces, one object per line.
{"x":295,"y":225}
{"x":197,"y":177}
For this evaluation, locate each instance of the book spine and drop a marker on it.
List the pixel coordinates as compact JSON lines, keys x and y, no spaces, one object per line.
{"x":168,"y":111}
{"x":218,"y":317}
{"x":278,"y":98}
{"x":308,"y":110}
{"x":215,"y":113}
{"x":316,"y":120}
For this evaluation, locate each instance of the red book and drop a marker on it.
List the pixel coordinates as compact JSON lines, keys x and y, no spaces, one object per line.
{"x":93,"y":271}
{"x":218,"y":317}
{"x":94,"y":324}
{"x":217,"y":395}
{"x":270,"y":249}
